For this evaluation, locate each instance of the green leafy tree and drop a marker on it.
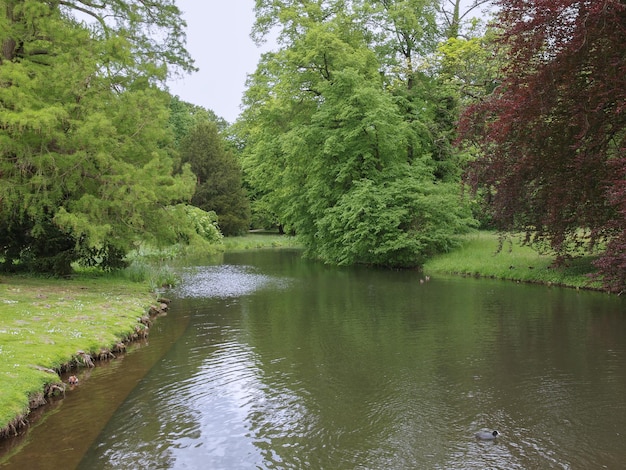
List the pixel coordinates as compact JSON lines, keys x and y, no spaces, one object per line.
{"x":331,"y":149}
{"x":184,"y":116}
{"x":202,"y":225}
{"x":405,"y":35}
{"x":219,"y":181}
{"x":85,"y":154}
{"x":471,"y":66}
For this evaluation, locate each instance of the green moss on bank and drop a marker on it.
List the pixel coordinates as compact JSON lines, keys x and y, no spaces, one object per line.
{"x":479,"y":256}
{"x":45,"y":322}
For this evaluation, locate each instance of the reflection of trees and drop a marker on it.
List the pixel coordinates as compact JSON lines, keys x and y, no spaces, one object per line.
{"x":369,"y":356}
{"x":370,"y":366}
{"x":349,"y":366}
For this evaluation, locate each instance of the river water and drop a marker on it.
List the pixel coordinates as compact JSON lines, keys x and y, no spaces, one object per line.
{"x":272,"y":362}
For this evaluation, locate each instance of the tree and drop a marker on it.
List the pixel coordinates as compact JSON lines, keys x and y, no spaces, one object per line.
{"x":85,"y":157}
{"x":404,"y":33}
{"x":455,"y":14}
{"x":219,"y":181}
{"x":470,"y":66}
{"x":145,"y":40}
{"x":404,"y":36}
{"x":553,"y":134}
{"x":331,"y":149}
{"x":184,"y":116}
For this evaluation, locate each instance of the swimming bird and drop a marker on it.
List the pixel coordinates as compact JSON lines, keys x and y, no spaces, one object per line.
{"x":486,"y":435}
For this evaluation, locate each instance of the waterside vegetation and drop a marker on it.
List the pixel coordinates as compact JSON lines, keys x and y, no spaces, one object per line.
{"x":51,"y":326}
{"x":359,"y":134}
{"x":489,"y":255}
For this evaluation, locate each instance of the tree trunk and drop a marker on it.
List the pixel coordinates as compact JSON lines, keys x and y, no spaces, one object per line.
{"x":8,"y":50}
{"x":453,"y":28}
{"x":8,"y":45}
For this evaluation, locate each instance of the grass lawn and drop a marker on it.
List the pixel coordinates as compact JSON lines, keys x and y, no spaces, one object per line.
{"x":255,"y":240}
{"x":479,"y":256}
{"x":45,"y":322}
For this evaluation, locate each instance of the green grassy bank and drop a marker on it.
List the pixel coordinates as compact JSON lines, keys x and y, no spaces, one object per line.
{"x":479,"y":256}
{"x":45,"y":323}
{"x":256,"y":240}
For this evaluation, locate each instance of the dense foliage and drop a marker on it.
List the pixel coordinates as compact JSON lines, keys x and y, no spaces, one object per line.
{"x":85,"y":150}
{"x":184,"y":116}
{"x":552,"y":136}
{"x":219,"y":180}
{"x":347,"y":137}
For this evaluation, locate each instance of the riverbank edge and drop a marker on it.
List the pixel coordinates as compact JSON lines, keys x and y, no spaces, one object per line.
{"x":478,"y":275}
{"x":56,"y":386}
{"x":483,"y":256}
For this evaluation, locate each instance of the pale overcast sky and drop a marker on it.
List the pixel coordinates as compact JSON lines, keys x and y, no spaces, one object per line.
{"x":218,"y":39}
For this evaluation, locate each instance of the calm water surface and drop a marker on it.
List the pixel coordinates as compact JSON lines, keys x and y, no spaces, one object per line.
{"x":267,"y":361}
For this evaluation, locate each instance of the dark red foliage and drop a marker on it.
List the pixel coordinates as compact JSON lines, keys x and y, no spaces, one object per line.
{"x":612,"y":264}
{"x":553,"y":134}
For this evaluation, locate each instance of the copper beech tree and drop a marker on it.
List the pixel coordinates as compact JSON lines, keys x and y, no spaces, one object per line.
{"x":552,"y":136}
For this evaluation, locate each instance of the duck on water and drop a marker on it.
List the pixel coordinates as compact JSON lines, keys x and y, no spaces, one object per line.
{"x":487,"y":435}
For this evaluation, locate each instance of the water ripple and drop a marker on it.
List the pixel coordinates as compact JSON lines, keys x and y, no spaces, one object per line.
{"x":332,"y":373}
{"x":225,"y":281}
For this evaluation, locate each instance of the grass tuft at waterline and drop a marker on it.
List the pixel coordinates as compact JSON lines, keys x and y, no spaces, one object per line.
{"x":479,"y":256}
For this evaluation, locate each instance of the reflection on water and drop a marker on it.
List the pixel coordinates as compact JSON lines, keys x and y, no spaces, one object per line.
{"x":288,"y":364}
{"x":226,"y":281}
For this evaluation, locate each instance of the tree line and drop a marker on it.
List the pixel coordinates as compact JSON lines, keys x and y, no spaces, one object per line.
{"x":376,"y":130}
{"x":96,"y":157}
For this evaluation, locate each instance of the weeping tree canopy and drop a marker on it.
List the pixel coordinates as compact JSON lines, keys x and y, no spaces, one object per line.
{"x":85,"y":151}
